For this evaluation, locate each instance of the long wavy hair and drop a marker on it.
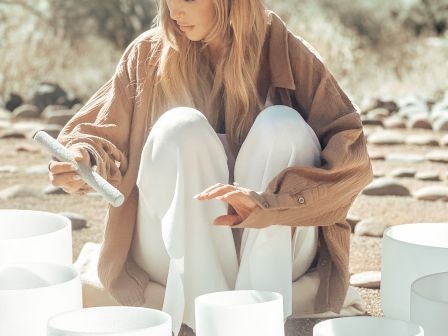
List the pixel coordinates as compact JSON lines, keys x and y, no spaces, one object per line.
{"x":185,"y":76}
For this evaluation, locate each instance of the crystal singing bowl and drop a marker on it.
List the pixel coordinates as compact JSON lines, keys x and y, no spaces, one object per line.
{"x":27,"y":235}
{"x":30,"y":293}
{"x":429,"y":303}
{"x":132,"y":321}
{"x":366,"y":326}
{"x":410,"y":251}
{"x":239,"y":313}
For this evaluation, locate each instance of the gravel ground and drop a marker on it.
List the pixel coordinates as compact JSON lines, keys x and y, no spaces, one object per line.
{"x":365,"y":251}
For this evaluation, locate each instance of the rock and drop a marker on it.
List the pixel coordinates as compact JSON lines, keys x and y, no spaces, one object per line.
{"x":13,"y":102}
{"x":371,"y":227}
{"x":378,"y":113}
{"x":8,"y":169}
{"x":370,"y":280}
{"x":40,"y":169}
{"x":53,"y":190}
{"x":419,"y":121}
{"x":352,"y":220}
{"x":386,"y":187}
{"x":59,"y":117}
{"x":432,"y":193}
{"x":394,"y":122}
{"x":47,"y":93}
{"x":5,"y":124}
{"x":405,"y":157}
{"x":5,"y":115}
{"x":77,"y":107}
{"x":427,"y":176}
{"x":441,"y":124}
{"x":26,"y":111}
{"x":412,"y":101}
{"x":386,"y":138}
{"x":52,"y":108}
{"x":376,"y":156}
{"x":444,"y":140}
{"x":387,"y":103}
{"x":11,"y":134}
{"x":403,"y":172}
{"x":19,"y":191}
{"x":438,"y":156}
{"x":410,"y":111}
{"x":28,"y":148}
{"x":78,"y":221}
{"x":422,"y":140}
{"x":379,"y":173}
{"x":52,"y":130}
{"x":366,"y":121}
{"x":368,"y":104}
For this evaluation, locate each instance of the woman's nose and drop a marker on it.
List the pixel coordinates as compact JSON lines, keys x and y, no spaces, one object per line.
{"x":175,"y":9}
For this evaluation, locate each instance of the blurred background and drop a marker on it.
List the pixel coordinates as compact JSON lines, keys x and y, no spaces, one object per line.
{"x":375,"y":48}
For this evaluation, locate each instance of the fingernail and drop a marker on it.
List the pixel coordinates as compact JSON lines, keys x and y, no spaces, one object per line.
{"x":77,"y":177}
{"x":196,"y":196}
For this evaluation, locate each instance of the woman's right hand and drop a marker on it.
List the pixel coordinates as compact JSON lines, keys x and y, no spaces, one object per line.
{"x":63,"y":174}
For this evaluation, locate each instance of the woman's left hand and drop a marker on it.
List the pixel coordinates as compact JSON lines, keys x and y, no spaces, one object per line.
{"x":237,"y":197}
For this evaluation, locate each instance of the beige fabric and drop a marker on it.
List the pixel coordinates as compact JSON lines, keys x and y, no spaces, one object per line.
{"x":113,"y":127}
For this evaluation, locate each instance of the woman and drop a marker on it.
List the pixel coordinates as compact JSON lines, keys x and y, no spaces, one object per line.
{"x":291,"y":139}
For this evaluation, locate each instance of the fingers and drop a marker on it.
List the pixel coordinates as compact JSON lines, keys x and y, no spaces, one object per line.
{"x":81,"y":155}
{"x":227,"y":220}
{"x":56,"y":167}
{"x":214,"y":191}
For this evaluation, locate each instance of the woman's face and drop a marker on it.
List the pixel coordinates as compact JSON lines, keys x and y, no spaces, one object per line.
{"x":195,"y":18}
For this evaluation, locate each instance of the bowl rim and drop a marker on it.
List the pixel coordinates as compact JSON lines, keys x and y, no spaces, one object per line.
{"x":422,"y":279}
{"x":387,"y":235}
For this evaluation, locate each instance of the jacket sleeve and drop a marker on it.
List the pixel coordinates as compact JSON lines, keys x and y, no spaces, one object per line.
{"x":102,"y":126}
{"x":318,"y":196}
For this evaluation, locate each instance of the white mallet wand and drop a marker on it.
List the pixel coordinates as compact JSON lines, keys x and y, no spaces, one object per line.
{"x":93,"y":179}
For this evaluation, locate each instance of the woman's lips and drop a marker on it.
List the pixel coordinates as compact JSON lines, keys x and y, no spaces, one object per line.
{"x":186,"y":28}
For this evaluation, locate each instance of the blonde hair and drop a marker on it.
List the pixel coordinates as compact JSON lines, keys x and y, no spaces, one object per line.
{"x":185,"y":77}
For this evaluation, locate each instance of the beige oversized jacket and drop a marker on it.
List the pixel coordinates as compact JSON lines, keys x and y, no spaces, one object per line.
{"x":112,"y":126}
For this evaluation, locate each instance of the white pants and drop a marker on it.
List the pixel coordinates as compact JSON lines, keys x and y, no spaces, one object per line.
{"x":175,"y":241}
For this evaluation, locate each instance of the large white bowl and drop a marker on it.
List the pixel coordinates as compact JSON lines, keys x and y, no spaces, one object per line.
{"x":429,"y":303}
{"x":410,"y":251}
{"x":239,"y":313}
{"x":28,"y":235}
{"x":30,"y":293}
{"x":116,"y":321}
{"x":366,"y":326}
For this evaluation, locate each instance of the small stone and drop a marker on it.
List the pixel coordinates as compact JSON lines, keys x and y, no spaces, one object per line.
{"x":403,"y":172}
{"x":412,"y":101}
{"x":53,"y":190}
{"x":40,"y":169}
{"x":371,"y":227}
{"x":411,"y":111}
{"x":386,"y":187}
{"x":422,"y":140}
{"x":51,"y":108}
{"x":5,"y":124}
{"x":379,"y":173}
{"x":52,"y":130}
{"x":432,"y":193}
{"x":441,"y":124}
{"x":378,"y":113}
{"x":27,"y":126}
{"x":394,"y":122}
{"x":27,"y":148}
{"x":386,"y":138}
{"x":376,"y":156}
{"x":438,"y":156}
{"x":405,"y":157}
{"x":370,"y":280}
{"x":11,"y":134}
{"x":8,"y":169}
{"x":59,"y":117}
{"x":427,"y":176}
{"x":78,"y":221}
{"x":352,"y":220}
{"x":419,"y":121}
{"x":444,"y":140}
{"x":366,"y":121}
{"x":19,"y":191}
{"x":26,"y":111}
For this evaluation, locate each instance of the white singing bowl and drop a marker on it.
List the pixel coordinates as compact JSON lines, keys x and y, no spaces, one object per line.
{"x":429,"y":303}
{"x":410,"y":251}
{"x":366,"y":326}
{"x":30,"y":293}
{"x":116,"y":321}
{"x":27,"y":235}
{"x":239,"y":313}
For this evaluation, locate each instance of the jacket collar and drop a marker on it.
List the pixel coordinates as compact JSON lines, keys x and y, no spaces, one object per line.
{"x":278,"y":53}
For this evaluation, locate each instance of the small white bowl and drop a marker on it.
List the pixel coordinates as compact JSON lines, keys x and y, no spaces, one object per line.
{"x":366,"y":326}
{"x":429,"y":303}
{"x":28,"y":235}
{"x":111,"y":321}
{"x":239,"y":313}
{"x":410,"y":251}
{"x":30,"y":293}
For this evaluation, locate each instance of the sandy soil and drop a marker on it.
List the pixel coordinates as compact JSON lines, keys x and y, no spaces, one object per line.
{"x":365,"y":251}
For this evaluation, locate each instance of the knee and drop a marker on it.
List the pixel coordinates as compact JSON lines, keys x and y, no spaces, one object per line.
{"x":281,"y":122}
{"x":180,"y":126}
